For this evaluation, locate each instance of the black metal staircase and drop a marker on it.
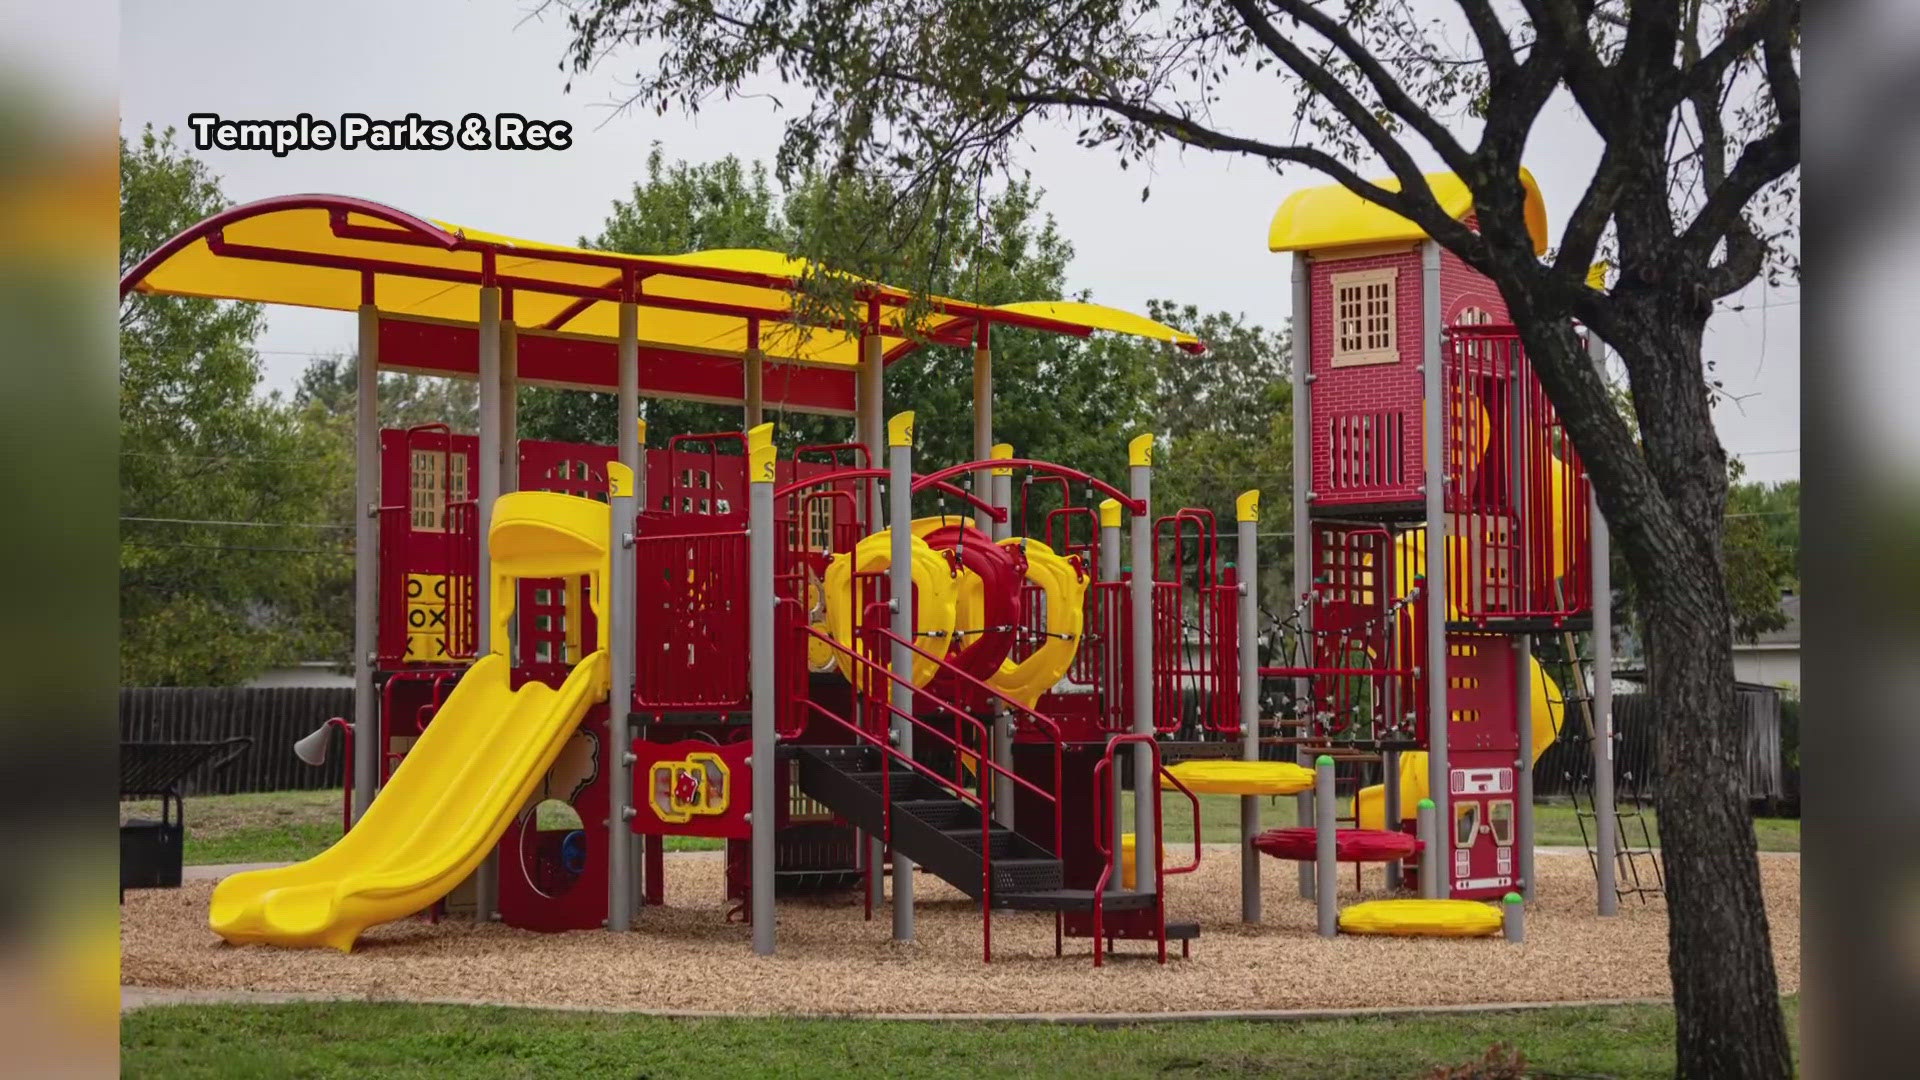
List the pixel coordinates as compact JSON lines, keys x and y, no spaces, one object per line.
{"x":942,"y":833}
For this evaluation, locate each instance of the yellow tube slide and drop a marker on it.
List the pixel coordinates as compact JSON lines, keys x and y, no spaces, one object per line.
{"x":1065,"y":589}
{"x":933,"y":582}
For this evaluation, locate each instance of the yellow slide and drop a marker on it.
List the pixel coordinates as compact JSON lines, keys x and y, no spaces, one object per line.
{"x":470,"y":773}
{"x":446,"y":807}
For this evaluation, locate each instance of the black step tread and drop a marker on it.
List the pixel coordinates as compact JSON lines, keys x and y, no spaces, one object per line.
{"x":1074,"y":900}
{"x":1183,"y":931}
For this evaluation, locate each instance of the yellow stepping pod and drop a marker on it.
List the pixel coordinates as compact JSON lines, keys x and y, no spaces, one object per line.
{"x":1240,"y":777}
{"x":467,"y":776}
{"x":1422,"y":918}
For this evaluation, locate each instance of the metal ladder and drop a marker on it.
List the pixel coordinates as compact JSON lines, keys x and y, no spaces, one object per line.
{"x":1636,"y":862}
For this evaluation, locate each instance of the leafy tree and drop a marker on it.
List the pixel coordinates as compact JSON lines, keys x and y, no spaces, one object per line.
{"x":227,"y":545}
{"x":1697,"y":103}
{"x":1763,"y":552}
{"x":1056,"y":398}
{"x":330,"y":384}
{"x":1226,"y":424}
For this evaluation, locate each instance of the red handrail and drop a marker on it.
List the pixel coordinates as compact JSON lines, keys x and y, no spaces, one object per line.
{"x":988,"y":768}
{"x":984,"y":800}
{"x":1052,"y":728}
{"x":995,"y":512}
{"x":1100,"y":769}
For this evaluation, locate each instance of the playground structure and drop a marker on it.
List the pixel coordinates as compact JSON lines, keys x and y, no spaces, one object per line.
{"x":566,"y":653}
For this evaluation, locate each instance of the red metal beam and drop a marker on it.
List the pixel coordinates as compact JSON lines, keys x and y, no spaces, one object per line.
{"x":419,"y":231}
{"x":451,"y":349}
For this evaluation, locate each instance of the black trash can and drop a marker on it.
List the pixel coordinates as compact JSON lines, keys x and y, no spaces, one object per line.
{"x":151,"y":852}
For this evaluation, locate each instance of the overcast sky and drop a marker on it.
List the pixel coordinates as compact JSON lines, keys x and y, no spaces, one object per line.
{"x":1200,"y":239}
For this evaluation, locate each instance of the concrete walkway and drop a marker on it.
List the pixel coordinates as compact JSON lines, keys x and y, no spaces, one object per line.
{"x":140,"y":997}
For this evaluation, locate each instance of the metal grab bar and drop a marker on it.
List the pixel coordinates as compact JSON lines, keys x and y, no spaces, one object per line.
{"x":1101,"y":769}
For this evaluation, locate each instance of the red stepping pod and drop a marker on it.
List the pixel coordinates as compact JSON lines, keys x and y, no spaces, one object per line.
{"x":1349,"y":845}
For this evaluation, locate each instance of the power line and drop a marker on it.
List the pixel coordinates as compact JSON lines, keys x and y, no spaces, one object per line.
{"x":223,"y":457}
{"x":239,"y":524}
{"x":239,"y":547}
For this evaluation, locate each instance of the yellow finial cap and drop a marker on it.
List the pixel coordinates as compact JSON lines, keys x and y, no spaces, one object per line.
{"x":1247,"y":506}
{"x":900,"y":429}
{"x":619,"y":479}
{"x":1109,"y":513}
{"x":760,"y":454}
{"x":641,"y":424}
{"x":1002,"y":452}
{"x":1140,"y":450}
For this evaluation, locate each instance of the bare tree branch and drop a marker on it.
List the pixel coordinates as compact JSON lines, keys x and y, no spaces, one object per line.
{"x":1392,"y":94}
{"x":1495,"y":46}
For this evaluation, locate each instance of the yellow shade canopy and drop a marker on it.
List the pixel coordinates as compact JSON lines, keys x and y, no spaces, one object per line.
{"x":337,"y":252}
{"x":1333,"y":217}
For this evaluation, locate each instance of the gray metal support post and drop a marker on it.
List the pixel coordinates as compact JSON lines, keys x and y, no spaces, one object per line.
{"x":869,"y":407}
{"x":629,"y":396}
{"x":490,"y":440}
{"x":1434,"y":453}
{"x":486,"y":879}
{"x":1513,"y":918}
{"x":1326,"y":868}
{"x":1390,"y":808}
{"x":755,"y":361}
{"x":1605,"y":825}
{"x":1302,"y":518}
{"x":1003,"y":490}
{"x":1247,"y":559}
{"x":1523,"y":768}
{"x":1000,"y":493}
{"x":868,"y":399}
{"x":1110,"y":571}
{"x":900,"y":575}
{"x":983,"y":423}
{"x":620,"y":601}
{"x":509,"y":406}
{"x":366,"y":560}
{"x":1146,"y":785}
{"x":760,"y":646}
{"x":630,"y":441}
{"x":1426,"y":825}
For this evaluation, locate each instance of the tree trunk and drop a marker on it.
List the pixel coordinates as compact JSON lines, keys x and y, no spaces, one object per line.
{"x":1725,"y":992}
{"x":1665,"y":503}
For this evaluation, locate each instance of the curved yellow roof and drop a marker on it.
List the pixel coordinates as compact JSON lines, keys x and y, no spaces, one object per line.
{"x":318,"y":251}
{"x":1332,"y":216}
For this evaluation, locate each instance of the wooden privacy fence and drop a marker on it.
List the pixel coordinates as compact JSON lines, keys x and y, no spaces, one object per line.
{"x":273,"y":717}
{"x":1565,"y":766}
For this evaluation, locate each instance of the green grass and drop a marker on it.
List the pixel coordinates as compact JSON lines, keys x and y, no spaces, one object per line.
{"x":283,"y":826}
{"x":361,"y":1039}
{"x":1554,"y":824}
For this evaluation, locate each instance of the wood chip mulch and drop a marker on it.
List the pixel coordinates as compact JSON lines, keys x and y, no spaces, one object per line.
{"x":686,"y":957}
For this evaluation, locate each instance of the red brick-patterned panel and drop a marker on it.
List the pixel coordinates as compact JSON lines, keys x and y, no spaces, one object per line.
{"x":1365,"y":442}
{"x":1464,"y":289}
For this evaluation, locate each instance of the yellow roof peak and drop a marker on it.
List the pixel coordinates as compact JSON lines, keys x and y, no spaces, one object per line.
{"x":1330,"y":216}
